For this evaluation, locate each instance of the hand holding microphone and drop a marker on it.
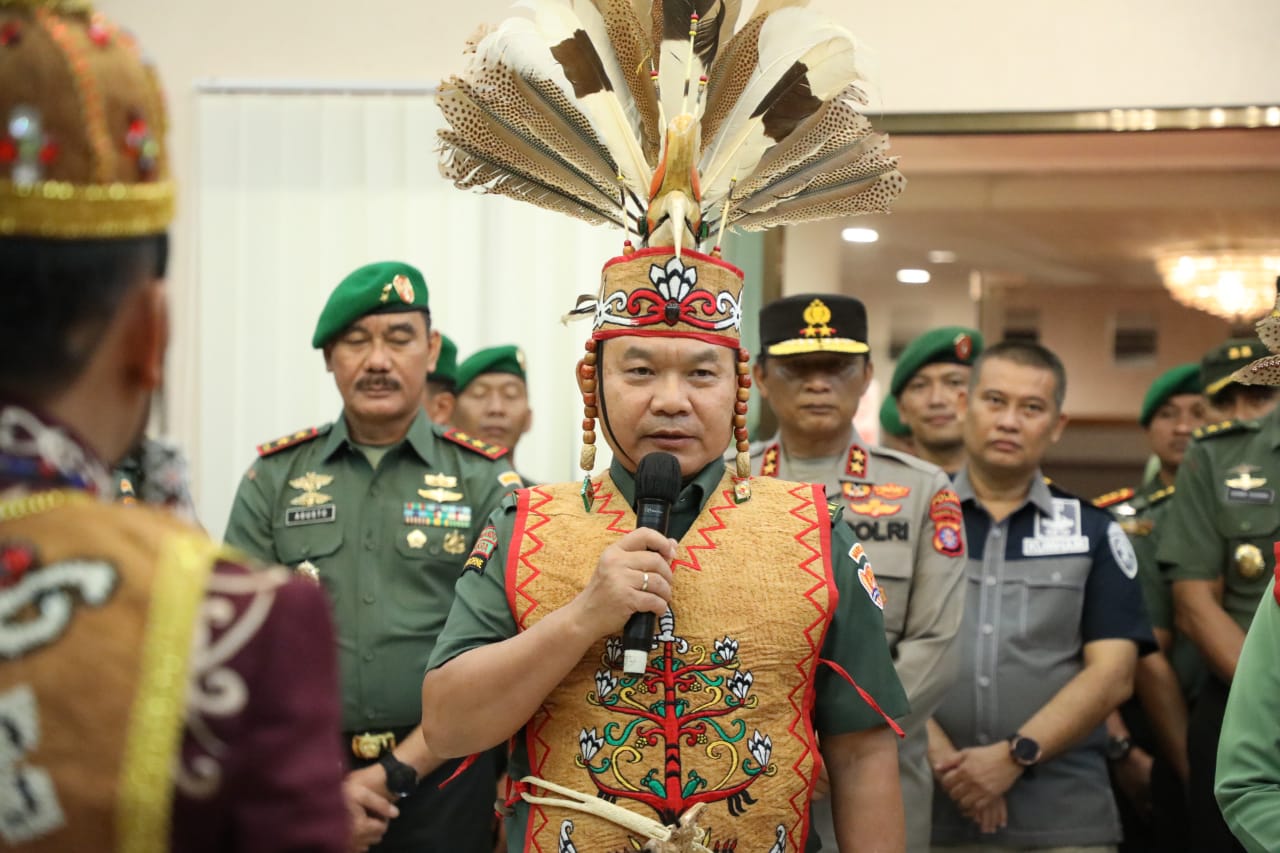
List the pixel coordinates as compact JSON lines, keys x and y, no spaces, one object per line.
{"x":657,"y":487}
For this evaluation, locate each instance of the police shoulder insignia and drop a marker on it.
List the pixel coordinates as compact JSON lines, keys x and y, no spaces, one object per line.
{"x":1110,"y":499}
{"x":475,"y":445}
{"x":286,"y":441}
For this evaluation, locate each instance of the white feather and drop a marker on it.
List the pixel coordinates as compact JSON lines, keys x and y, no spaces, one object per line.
{"x":789,"y":35}
{"x":611,"y":113}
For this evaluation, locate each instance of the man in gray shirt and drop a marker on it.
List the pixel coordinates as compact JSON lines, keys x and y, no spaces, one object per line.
{"x":1053,"y":626}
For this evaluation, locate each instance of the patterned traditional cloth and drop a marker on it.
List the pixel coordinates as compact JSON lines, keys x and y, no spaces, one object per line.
{"x":141,"y":666}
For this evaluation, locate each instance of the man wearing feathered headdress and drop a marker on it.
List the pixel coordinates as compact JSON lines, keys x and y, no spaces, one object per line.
{"x":157,"y":692}
{"x":767,"y":610}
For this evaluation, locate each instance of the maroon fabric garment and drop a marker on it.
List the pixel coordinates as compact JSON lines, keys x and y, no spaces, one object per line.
{"x":280,"y":759}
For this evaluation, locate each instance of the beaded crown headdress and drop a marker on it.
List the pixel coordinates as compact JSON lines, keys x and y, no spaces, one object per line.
{"x":90,"y":165}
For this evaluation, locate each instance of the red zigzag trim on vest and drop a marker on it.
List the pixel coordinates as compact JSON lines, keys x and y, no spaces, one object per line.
{"x":808,"y":496}
{"x":692,"y":563}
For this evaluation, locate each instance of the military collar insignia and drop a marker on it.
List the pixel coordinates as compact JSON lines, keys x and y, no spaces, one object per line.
{"x":857,"y":464}
{"x":1244,"y":479}
{"x":310,"y":485}
{"x":401,"y":286}
{"x":817,"y":317}
{"x":287,"y":441}
{"x":769,"y":465}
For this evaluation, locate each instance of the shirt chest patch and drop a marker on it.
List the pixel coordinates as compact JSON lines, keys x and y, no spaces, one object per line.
{"x":433,"y":514}
{"x":302,"y":515}
{"x":1245,"y":488}
{"x":1059,"y":533}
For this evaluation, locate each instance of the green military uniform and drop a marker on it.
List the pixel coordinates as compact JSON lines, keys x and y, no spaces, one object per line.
{"x":1225,"y":516}
{"x":482,"y":615}
{"x":1248,"y":772}
{"x":506,"y":358}
{"x":386,"y":543}
{"x":385,"y":531}
{"x":1220,"y":527}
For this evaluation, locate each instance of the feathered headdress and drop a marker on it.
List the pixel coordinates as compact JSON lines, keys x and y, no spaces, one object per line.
{"x":657,"y":117}
{"x":1266,"y":370}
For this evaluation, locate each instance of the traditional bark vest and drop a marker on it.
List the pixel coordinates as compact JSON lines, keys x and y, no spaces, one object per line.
{"x":97,"y":608}
{"x":723,"y":714}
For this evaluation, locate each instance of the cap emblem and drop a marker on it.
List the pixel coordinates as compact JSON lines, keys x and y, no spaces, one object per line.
{"x":963,"y":346}
{"x":817,"y":315}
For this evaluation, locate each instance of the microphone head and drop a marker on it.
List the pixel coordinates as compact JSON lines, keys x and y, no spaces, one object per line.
{"x":658,"y":478}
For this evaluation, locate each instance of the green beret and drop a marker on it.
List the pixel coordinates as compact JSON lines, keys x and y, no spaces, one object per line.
{"x":1183,"y":379}
{"x":1225,"y":359}
{"x":389,"y":287}
{"x":950,"y":344}
{"x":446,"y":371}
{"x":890,"y":422}
{"x":504,"y":359}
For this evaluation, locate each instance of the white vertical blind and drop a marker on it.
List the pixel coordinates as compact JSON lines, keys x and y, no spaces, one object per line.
{"x":294,"y":191}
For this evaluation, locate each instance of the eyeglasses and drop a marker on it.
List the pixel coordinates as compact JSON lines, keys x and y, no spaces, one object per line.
{"x":841,"y":368}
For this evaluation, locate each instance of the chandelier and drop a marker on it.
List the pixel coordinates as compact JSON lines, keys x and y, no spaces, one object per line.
{"x":1237,"y":284}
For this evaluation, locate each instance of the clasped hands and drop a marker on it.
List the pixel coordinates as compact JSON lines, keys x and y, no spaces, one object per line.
{"x":976,"y":779}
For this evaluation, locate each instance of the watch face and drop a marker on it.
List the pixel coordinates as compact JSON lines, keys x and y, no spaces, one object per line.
{"x":1026,"y":751}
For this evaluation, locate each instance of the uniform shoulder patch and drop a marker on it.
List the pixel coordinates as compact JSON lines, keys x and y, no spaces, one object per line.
{"x":1223,"y":428}
{"x":284,"y":442}
{"x":475,"y":445}
{"x":1160,"y":495}
{"x":1110,"y":499}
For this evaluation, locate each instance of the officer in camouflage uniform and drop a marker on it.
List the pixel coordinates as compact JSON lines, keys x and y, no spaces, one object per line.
{"x":1215,"y":547}
{"x":381,"y":507}
{"x":1147,"y":755}
{"x":813,"y":368}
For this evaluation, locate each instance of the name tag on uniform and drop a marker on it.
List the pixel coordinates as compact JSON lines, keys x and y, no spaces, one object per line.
{"x":301,"y":515}
{"x":1265,"y":497}
{"x":1059,"y":533}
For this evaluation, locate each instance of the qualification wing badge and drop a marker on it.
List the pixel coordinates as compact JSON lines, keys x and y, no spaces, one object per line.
{"x":310,"y":484}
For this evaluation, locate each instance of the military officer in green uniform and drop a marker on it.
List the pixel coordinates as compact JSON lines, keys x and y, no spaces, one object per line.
{"x":1248,"y":770}
{"x":493,"y":397}
{"x":1146,"y":747}
{"x":813,"y":368}
{"x":930,"y":385}
{"x":442,"y":383}
{"x":1215,"y":546}
{"x":532,"y":648}
{"x":381,"y":507}
{"x":1228,"y":398}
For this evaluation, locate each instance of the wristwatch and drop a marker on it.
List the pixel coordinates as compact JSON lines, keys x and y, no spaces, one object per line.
{"x":1025,"y":751}
{"x":401,"y":778}
{"x":1118,"y":747}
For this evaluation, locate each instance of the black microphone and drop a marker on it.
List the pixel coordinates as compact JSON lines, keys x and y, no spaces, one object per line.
{"x":657,"y":487}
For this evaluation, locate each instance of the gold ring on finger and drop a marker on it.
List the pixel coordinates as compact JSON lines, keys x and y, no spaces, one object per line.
{"x":644,"y":585}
